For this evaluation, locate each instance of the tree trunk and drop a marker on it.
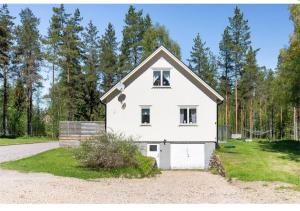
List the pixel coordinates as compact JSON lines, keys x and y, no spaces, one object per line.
{"x":270,"y":127}
{"x":236,"y":106}
{"x":69,"y":103}
{"x":295,"y":124}
{"x":272,"y":123}
{"x":242,"y":120}
{"x":5,"y":102}
{"x":68,"y":76}
{"x":260,"y":117}
{"x":281,"y":126}
{"x":53,"y":74}
{"x":226,"y":104}
{"x":251,"y":118}
{"x":29,"y":111}
{"x":53,"y":126}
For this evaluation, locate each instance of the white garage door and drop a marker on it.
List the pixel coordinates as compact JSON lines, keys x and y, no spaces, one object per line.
{"x":187,"y":156}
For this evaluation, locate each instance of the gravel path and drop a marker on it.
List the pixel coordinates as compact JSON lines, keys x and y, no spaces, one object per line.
{"x":169,"y":187}
{"x":15,"y":152}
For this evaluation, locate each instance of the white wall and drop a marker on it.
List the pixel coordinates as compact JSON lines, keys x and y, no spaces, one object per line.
{"x":164,"y":109}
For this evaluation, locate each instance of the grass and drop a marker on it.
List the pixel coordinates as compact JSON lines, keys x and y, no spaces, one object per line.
{"x":24,"y":140}
{"x":61,"y":162}
{"x":262,"y":160}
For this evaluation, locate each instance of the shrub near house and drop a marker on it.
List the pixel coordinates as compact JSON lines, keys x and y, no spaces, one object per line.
{"x":113,"y":151}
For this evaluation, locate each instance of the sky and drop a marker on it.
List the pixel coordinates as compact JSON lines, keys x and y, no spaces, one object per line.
{"x":270,"y":25}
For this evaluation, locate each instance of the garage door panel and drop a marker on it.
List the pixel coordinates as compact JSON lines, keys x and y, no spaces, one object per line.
{"x":187,"y":156}
{"x":196,"y":155}
{"x":178,"y":156}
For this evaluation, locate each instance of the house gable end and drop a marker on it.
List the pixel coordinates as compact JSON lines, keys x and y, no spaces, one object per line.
{"x":176,"y":63}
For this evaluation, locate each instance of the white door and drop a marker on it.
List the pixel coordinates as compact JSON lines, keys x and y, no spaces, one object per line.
{"x":187,"y":156}
{"x":153,"y":151}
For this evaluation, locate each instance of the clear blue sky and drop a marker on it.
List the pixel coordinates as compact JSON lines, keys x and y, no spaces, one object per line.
{"x":270,"y":24}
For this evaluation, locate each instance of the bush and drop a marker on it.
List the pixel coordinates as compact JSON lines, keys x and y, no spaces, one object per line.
{"x":108,"y":150}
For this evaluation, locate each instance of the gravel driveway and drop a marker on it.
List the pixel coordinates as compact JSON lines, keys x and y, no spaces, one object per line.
{"x":15,"y":152}
{"x":169,"y":187}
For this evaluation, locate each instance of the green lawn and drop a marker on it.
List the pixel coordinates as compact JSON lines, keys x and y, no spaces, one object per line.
{"x":24,"y":140}
{"x":62,"y":162}
{"x":262,"y":160}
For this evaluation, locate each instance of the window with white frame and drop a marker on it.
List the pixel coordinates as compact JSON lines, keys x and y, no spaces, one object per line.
{"x":188,"y":115}
{"x":161,"y":78}
{"x":145,"y":116}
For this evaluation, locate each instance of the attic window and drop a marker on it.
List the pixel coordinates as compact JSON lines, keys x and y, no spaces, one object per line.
{"x":161,"y":78}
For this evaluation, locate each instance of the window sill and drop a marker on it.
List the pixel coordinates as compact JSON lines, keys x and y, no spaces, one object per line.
{"x":145,"y":125}
{"x":188,"y":125}
{"x":159,"y":87}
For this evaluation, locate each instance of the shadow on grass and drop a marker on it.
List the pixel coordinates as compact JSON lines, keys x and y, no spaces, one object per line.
{"x":230,"y":152}
{"x":290,"y":148}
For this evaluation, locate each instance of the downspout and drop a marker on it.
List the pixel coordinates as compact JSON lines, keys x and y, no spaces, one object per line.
{"x":105,"y":124}
{"x":217,"y":123}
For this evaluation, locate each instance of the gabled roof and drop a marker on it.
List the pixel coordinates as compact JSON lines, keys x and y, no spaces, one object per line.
{"x":162,"y":49}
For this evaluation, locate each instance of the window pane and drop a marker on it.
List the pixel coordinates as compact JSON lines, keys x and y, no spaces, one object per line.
{"x":166,"y":78}
{"x":193,"y":116}
{"x":183,"y":115}
{"x":156,"y":78}
{"x":145,"y":115}
{"x":153,"y":148}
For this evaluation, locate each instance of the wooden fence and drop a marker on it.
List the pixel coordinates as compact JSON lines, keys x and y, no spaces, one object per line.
{"x":72,"y":132}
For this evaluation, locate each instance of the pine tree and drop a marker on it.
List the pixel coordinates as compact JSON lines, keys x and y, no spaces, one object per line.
{"x":147,"y":23}
{"x":29,"y":57}
{"x":6,"y":42}
{"x":239,"y":32}
{"x":108,"y":57}
{"x":202,"y":61}
{"x":248,"y":84}
{"x":53,"y":42}
{"x":289,"y":69}
{"x":156,"y":36}
{"x":19,"y":106}
{"x":131,"y":49}
{"x":91,"y":67}
{"x":71,"y":77}
{"x":226,"y":65}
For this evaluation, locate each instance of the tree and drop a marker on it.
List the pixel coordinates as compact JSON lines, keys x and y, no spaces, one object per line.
{"x":71,"y":77}
{"x":156,"y":36}
{"x":53,"y":42}
{"x":108,"y":57}
{"x":248,"y":84}
{"x":38,"y":114}
{"x":239,"y":32}
{"x":133,"y":31}
{"x":29,"y":57}
{"x":19,"y":106}
{"x":90,"y":69}
{"x":202,"y":62}
{"x":6,"y":43}
{"x":289,"y":69}
{"x":226,"y":65}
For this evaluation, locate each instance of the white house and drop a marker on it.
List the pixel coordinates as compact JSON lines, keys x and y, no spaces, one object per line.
{"x":168,"y":109}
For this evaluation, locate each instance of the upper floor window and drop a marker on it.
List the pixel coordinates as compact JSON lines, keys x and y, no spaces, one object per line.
{"x":188,"y":115}
{"x":161,"y":78}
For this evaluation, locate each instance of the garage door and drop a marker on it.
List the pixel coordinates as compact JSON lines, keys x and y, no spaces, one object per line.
{"x":187,"y":156}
